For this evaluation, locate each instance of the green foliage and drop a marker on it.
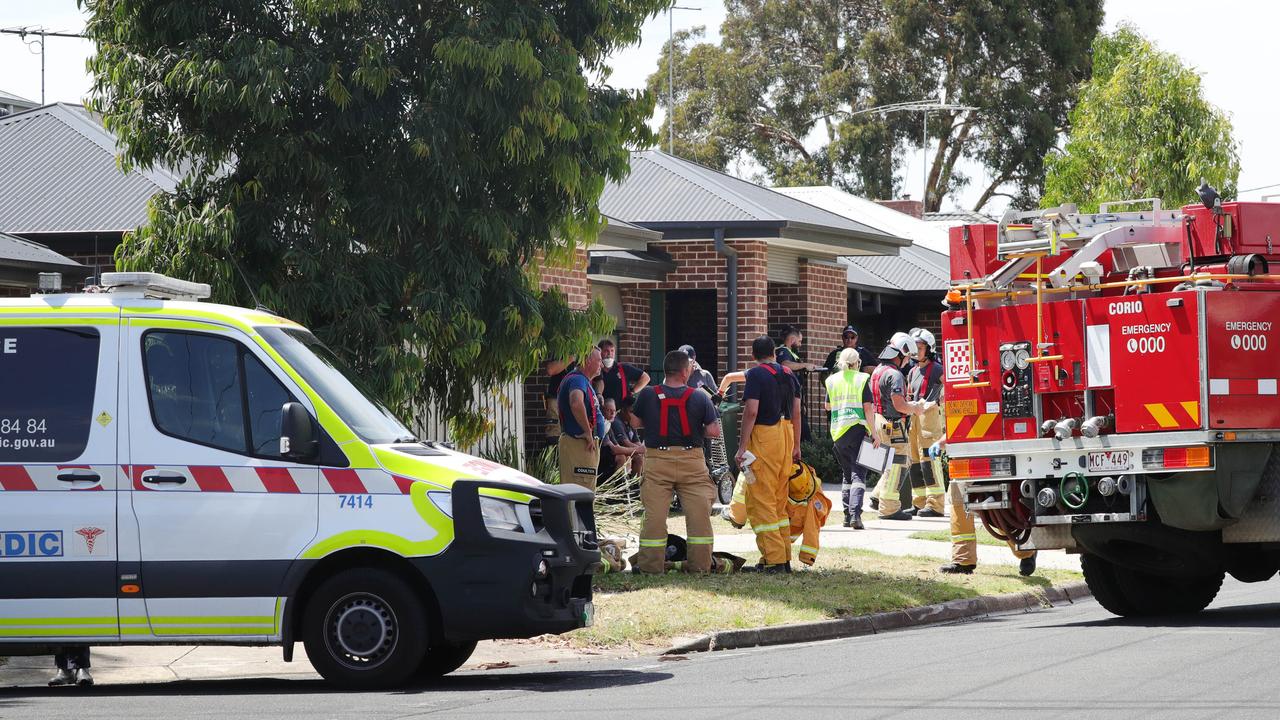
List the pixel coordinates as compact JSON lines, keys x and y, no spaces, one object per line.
{"x":820,"y":452}
{"x":783,"y":86}
{"x":385,"y":172}
{"x":1142,"y":128}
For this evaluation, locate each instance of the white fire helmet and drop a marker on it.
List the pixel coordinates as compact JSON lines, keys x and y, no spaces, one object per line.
{"x":924,"y":336}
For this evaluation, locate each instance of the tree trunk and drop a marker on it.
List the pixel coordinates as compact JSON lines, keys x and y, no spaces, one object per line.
{"x":949,"y":165}
{"x":991,"y":190}
{"x":935,"y":168}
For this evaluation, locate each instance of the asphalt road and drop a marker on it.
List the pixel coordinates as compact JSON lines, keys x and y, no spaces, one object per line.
{"x":1076,"y":661}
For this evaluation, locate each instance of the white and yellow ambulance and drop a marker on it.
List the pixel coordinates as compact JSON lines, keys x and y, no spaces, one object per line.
{"x":178,"y":472}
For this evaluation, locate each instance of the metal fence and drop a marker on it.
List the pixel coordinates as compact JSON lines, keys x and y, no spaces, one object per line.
{"x":503,"y":405}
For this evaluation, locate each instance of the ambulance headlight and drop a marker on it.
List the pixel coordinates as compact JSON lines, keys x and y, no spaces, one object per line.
{"x":499,"y":514}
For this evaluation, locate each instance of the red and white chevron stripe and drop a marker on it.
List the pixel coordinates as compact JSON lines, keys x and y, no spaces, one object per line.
{"x":212,"y":479}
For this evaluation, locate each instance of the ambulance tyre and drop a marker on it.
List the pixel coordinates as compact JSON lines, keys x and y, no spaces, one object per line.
{"x":444,"y":659}
{"x":365,"y":629}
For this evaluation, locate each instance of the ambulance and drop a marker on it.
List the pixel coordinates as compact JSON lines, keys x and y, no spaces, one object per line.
{"x":179,"y":472}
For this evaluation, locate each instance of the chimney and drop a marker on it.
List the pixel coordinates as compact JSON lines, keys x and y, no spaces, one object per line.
{"x":906,"y":205}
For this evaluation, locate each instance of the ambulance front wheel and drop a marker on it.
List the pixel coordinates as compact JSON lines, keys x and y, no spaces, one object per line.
{"x":444,"y":659}
{"x":365,"y":628}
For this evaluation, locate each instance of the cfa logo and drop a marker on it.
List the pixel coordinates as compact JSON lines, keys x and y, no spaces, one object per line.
{"x":31,"y":543}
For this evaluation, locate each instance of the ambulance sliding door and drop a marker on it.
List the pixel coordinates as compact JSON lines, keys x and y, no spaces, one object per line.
{"x":220,"y":516}
{"x":58,"y":478}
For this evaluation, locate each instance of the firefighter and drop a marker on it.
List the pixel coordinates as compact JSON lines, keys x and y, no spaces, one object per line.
{"x":676,"y":418}
{"x":924,"y":387}
{"x":964,"y":533}
{"x":775,"y":444}
{"x":581,"y":423}
{"x":849,"y":401}
{"x":893,"y":412}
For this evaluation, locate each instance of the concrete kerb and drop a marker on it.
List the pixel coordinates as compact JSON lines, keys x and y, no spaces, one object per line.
{"x":964,"y":609}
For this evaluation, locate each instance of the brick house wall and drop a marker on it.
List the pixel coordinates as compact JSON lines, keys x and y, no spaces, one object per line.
{"x":700,"y":267}
{"x":572,"y":280}
{"x":816,"y":305}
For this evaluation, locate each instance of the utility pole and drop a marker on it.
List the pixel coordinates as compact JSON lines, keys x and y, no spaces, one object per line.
{"x":41,"y":33}
{"x":923,"y":107}
{"x":671,"y":76}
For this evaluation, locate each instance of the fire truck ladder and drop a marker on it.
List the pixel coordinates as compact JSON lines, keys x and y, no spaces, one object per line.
{"x":1025,"y":237}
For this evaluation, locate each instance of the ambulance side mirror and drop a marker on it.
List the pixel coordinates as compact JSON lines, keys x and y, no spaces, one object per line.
{"x":297,"y":433}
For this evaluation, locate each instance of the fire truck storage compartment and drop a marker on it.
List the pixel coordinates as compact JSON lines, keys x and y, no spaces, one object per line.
{"x":1247,"y":227}
{"x":1241,"y":340}
{"x":1147,"y":347}
{"x":973,"y":251}
{"x":1004,"y":341}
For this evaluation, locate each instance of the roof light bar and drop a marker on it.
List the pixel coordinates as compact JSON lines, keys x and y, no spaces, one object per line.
{"x":154,"y":285}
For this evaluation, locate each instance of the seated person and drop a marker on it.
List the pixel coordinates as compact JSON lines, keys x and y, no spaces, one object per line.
{"x":620,"y":444}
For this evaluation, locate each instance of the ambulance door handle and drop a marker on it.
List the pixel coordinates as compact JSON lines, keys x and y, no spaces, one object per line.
{"x":79,"y":476}
{"x":164,"y":476}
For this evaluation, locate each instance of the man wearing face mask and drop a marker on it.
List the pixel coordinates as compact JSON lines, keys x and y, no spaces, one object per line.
{"x":622,"y":381}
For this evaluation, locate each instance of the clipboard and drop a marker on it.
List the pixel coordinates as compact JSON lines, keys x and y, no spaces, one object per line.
{"x":874,"y":458}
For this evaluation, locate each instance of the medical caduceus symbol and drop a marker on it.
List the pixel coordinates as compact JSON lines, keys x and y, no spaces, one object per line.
{"x":90,"y":534}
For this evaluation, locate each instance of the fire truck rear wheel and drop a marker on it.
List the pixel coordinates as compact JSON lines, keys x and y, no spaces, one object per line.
{"x":1158,"y":595}
{"x":444,"y":659}
{"x":1100,"y":576}
{"x":365,"y":628}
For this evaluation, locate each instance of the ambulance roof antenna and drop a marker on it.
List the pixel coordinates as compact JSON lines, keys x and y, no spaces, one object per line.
{"x":257,"y":304}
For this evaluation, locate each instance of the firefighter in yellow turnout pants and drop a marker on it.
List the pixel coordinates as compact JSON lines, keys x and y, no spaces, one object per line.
{"x":893,"y":413}
{"x":924,"y":388}
{"x":774,"y":444}
{"x":676,"y":418}
{"x":964,"y":533}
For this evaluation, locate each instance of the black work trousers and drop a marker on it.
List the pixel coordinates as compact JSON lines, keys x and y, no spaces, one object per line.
{"x":853,"y":477}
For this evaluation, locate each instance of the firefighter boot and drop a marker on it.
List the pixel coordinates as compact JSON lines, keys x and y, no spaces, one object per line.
{"x":934,"y":491}
{"x":957,"y":569}
{"x":1027,"y":565}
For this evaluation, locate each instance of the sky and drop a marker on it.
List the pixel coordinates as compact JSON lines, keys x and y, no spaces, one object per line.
{"x":1231,"y":43}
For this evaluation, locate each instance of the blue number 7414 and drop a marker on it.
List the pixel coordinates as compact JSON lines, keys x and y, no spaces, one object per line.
{"x":355,"y":502}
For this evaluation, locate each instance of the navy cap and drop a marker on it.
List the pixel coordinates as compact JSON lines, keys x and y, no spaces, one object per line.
{"x":849,"y":330}
{"x":688,"y":350}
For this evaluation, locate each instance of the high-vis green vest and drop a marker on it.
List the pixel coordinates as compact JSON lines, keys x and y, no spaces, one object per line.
{"x":844,"y":395}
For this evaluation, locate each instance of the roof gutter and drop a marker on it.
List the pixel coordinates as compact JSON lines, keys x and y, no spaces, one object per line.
{"x":731,"y":273}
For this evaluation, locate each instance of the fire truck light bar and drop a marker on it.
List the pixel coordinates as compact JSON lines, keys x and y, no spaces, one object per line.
{"x":964,"y":468}
{"x":1177,"y":457}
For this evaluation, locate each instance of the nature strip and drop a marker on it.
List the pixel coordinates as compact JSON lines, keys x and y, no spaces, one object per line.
{"x":883,"y":622}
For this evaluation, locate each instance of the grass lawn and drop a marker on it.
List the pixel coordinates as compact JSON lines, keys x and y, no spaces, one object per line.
{"x":984,"y":537}
{"x":642,"y":610}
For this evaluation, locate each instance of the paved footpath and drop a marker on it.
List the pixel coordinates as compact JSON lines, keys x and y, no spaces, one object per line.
{"x":892,"y":537}
{"x":122,"y":665}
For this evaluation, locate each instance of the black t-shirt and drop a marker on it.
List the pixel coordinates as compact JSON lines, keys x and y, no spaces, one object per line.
{"x":613,"y":388}
{"x":699,"y":410}
{"x":553,"y":381}
{"x":864,"y":357}
{"x":764,"y":386}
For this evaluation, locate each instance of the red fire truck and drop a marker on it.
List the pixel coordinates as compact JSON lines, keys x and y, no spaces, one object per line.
{"x":1111,"y":390}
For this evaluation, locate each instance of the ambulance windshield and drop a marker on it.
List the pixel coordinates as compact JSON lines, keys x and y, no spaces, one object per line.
{"x":326,"y":375}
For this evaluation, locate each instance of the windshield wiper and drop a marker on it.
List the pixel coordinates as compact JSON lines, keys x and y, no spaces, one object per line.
{"x":405,"y":439}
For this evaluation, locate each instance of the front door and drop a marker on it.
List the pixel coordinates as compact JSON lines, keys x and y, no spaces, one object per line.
{"x":58,"y":478}
{"x":220,"y":515}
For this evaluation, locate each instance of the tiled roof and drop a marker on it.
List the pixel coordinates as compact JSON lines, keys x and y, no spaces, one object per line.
{"x":664,"y":192}
{"x":918,"y":267}
{"x":58,"y":174}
